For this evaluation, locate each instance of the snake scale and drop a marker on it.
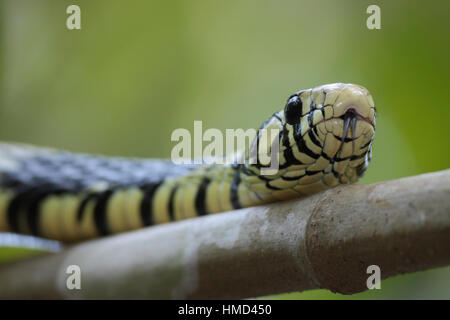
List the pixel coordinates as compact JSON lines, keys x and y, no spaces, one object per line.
{"x":325,"y":139}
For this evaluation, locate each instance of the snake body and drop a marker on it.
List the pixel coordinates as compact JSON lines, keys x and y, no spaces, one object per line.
{"x":325,"y":139}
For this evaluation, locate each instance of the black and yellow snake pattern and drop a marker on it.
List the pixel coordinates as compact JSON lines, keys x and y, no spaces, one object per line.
{"x":325,"y":139}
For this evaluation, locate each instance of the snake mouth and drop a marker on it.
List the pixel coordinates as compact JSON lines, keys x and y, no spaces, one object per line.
{"x":350,"y":118}
{"x":352,"y":113}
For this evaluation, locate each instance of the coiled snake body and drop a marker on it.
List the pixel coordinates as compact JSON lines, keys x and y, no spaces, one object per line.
{"x":325,"y":139}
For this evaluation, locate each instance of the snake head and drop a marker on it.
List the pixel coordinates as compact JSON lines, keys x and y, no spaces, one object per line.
{"x":333,"y":127}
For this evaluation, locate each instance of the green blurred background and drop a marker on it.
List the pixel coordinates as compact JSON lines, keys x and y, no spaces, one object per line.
{"x":137,"y":70}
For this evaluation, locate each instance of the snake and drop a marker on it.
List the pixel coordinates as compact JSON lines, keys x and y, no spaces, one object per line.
{"x":324,"y":134}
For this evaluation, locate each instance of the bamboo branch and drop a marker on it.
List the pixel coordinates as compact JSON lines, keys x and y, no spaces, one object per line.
{"x":324,"y":241}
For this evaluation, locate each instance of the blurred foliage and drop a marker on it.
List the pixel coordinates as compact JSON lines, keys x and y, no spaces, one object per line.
{"x":10,"y":253}
{"x":138,"y":70}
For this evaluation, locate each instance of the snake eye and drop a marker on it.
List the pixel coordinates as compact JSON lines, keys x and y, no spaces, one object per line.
{"x":293,"y":110}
